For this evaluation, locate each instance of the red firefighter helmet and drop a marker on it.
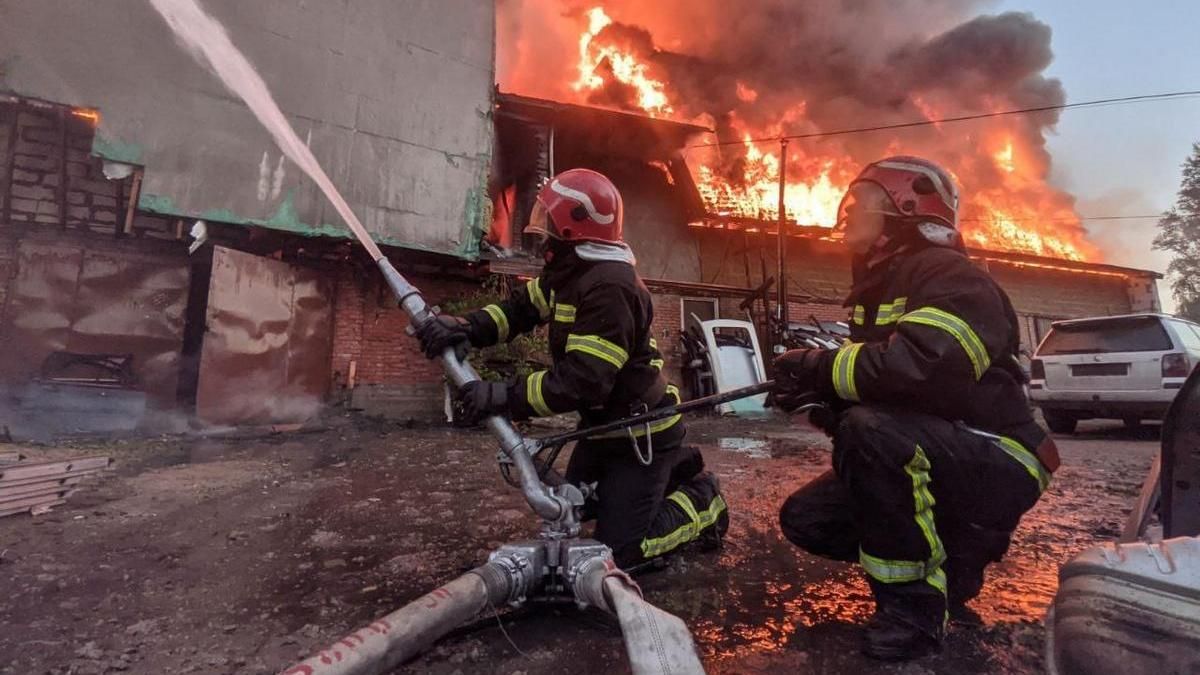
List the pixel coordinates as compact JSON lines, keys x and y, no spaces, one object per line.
{"x":916,"y":189}
{"x":578,"y":205}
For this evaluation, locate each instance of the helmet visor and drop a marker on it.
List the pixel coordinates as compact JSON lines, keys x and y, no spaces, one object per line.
{"x":862,"y":214}
{"x":865,"y":205}
{"x":539,"y":222}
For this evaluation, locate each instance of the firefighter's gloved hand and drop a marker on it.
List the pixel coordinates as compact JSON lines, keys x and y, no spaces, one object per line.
{"x":797,"y":374}
{"x":444,"y":331}
{"x":479,"y":400}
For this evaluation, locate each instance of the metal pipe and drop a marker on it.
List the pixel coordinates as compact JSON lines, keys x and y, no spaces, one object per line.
{"x":658,"y":414}
{"x":781,"y":288}
{"x":393,"y":639}
{"x":544,"y":502}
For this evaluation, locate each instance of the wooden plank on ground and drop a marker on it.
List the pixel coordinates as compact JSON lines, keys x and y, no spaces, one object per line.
{"x":34,"y":501}
{"x":10,"y":456}
{"x":32,"y":469}
{"x":13,"y":499}
{"x":11,"y":491}
{"x":13,"y":482}
{"x":48,"y":502}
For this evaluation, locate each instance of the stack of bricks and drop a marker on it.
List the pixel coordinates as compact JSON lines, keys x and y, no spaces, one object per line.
{"x":54,"y":179}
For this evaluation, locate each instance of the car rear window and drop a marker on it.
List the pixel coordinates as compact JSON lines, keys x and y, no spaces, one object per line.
{"x":1102,"y":337}
{"x":1188,"y":334}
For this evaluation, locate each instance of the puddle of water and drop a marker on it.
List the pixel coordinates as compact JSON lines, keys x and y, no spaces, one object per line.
{"x":751,"y":447}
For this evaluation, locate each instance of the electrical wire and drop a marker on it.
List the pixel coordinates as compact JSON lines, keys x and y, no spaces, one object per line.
{"x":1124,"y":100}
{"x":1061,"y":220}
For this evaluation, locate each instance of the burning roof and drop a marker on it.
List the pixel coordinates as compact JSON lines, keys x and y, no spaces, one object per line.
{"x":783,"y":68}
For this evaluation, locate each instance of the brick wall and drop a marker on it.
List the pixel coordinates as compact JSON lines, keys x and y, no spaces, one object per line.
{"x":55,"y":180}
{"x":1060,"y":294}
{"x":392,"y":377}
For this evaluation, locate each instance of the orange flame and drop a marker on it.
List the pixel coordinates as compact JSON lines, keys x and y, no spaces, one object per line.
{"x":625,"y":67}
{"x":1023,"y":214}
{"x":92,"y":116}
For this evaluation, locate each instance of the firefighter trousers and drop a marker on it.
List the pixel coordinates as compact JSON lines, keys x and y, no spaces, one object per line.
{"x":922,"y":503}
{"x":643,"y":512}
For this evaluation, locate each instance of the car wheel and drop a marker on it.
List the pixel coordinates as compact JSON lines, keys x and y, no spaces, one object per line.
{"x":1060,"y":422}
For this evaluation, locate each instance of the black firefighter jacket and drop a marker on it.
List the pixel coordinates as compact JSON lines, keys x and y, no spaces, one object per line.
{"x":932,"y":332}
{"x":606,"y":362}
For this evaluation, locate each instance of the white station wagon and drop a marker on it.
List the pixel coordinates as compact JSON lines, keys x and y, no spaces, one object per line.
{"x":1122,"y":367}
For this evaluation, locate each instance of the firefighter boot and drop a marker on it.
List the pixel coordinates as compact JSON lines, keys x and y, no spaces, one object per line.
{"x":909,"y":621}
{"x":890,"y":636}
{"x":707,"y":509}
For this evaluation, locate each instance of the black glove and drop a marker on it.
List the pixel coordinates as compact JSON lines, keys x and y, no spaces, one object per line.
{"x":797,"y":373}
{"x":478,"y":400}
{"x":444,"y":331}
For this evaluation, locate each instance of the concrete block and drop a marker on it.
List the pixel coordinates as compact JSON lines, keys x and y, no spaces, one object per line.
{"x":22,"y":176}
{"x":32,"y":192}
{"x":24,"y":205}
{"x":35,"y":163}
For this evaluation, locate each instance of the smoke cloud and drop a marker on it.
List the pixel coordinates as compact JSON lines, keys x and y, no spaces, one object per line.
{"x":777,"y":66}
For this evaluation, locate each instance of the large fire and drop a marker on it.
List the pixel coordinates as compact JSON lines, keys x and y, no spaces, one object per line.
{"x":1013,"y":209}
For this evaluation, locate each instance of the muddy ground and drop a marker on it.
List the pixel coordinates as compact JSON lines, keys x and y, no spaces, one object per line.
{"x":241,"y":555}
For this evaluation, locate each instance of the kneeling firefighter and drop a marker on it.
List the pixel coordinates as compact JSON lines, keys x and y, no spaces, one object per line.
{"x":652,"y":494}
{"x":936,"y":455}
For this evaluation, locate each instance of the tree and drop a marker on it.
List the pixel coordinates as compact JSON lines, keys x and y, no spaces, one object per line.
{"x":1179,"y":233}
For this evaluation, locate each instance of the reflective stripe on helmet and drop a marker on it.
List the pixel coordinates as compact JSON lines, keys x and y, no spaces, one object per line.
{"x":584,"y":200}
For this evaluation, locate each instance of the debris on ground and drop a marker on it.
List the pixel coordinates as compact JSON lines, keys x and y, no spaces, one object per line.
{"x":201,"y":555}
{"x":37,"y":487}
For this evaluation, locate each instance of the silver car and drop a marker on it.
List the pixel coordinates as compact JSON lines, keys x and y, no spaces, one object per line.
{"x":1122,"y":367}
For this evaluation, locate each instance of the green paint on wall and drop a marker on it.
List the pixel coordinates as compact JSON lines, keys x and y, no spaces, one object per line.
{"x":285,"y":218}
{"x":116,"y":150}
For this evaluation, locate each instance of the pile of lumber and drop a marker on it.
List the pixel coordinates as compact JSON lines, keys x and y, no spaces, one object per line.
{"x":38,"y":486}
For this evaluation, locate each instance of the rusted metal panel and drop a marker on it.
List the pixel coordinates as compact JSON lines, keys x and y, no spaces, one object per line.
{"x":266,"y":350}
{"x":134,"y":304}
{"x":310,"y":342}
{"x":40,"y":310}
{"x":71,"y":296}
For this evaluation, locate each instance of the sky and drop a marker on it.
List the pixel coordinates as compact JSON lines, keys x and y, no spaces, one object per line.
{"x":1123,"y":160}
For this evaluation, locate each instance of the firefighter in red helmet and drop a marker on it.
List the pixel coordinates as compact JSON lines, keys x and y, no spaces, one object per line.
{"x":652,"y":492}
{"x":936,"y":455}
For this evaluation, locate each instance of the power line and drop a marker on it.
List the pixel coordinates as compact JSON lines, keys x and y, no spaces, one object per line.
{"x":1060,"y":220}
{"x":963,"y":118}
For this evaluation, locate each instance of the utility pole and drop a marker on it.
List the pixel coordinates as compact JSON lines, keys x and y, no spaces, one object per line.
{"x":781,"y":304}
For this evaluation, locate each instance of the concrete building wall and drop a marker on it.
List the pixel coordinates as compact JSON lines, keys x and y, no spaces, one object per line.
{"x":394,"y":98}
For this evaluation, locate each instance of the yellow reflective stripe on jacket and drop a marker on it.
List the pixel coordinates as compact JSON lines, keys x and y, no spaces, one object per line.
{"x":890,"y":312}
{"x":843,"y":371}
{"x":958,"y":329}
{"x":657,"y":364}
{"x":860,"y":315}
{"x":533,"y":394}
{"x":533,"y":286}
{"x":500,"y":319}
{"x":1027,"y":459}
{"x":655,"y":427}
{"x":564,"y":313}
{"x":656,"y":546}
{"x":596,"y":346}
{"x":653,"y":343}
